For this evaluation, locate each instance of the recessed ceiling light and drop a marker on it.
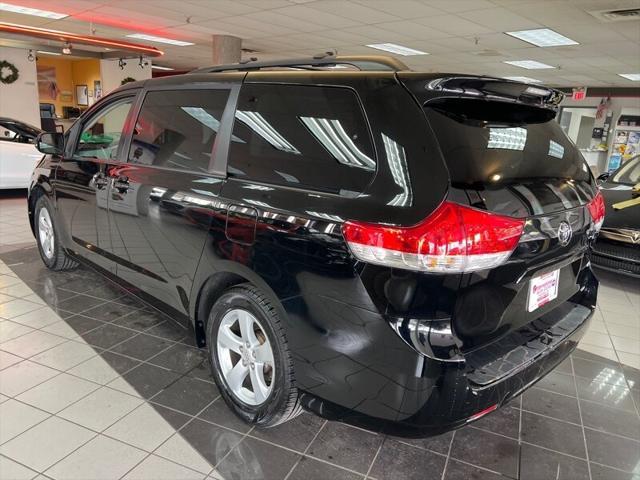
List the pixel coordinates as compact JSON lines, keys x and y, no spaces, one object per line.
{"x":524,"y":79}
{"x":631,"y":76}
{"x":529,"y":64}
{"x":543,"y":37}
{"x":48,"y":53}
{"x":7,"y":7}
{"x":153,"y":38}
{"x":398,"y":49}
{"x":159,"y":67}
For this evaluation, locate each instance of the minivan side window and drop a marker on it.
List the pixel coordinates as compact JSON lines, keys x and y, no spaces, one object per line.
{"x":101,"y":136}
{"x":177,"y":128}
{"x":302,"y":136}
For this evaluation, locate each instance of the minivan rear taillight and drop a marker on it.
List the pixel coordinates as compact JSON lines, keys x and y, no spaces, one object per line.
{"x":596,"y":209}
{"x":453,"y":239}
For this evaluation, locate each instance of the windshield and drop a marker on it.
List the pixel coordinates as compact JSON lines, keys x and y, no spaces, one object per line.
{"x":629,"y":172}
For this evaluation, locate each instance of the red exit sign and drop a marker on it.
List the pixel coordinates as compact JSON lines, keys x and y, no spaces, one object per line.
{"x":579,"y":93}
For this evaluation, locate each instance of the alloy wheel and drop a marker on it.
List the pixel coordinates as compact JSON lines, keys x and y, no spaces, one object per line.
{"x":45,"y":233}
{"x":245,"y":356}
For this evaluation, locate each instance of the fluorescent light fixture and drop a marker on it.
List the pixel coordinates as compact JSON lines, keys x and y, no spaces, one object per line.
{"x":7,"y":7}
{"x":332,"y":136}
{"x":524,"y":79}
{"x":397,"y":49}
{"x":543,"y":37}
{"x":555,"y":149}
{"x":159,"y":67}
{"x":507,"y":138}
{"x":529,"y":64}
{"x":631,"y":76}
{"x":153,"y":38}
{"x":48,"y":53}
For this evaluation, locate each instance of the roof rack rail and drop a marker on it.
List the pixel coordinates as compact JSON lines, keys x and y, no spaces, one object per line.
{"x":361,"y":62}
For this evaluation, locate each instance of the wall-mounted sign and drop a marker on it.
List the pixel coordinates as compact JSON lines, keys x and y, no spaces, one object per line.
{"x":579,"y":93}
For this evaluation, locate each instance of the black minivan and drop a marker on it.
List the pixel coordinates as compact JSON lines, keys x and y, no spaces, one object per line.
{"x":398,"y":250}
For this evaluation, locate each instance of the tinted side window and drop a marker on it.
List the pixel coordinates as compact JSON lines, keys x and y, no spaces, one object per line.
{"x":177,"y":128}
{"x":102,"y":134}
{"x":303,"y":136}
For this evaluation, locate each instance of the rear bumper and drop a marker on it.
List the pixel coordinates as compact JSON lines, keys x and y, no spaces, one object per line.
{"x":397,"y":391}
{"x":617,"y":257}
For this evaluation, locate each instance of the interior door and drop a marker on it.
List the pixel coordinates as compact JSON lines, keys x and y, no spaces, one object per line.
{"x":82,"y":185}
{"x":163,"y":201}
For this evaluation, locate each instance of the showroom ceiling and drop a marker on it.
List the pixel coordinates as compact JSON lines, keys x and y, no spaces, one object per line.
{"x":466,"y":36}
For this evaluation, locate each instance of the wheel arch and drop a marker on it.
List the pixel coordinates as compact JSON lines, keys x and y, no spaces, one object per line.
{"x":229,"y":274}
{"x":37,"y":190}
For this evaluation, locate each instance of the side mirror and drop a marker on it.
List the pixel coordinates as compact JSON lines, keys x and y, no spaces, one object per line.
{"x":50,"y":143}
{"x":603,"y":177}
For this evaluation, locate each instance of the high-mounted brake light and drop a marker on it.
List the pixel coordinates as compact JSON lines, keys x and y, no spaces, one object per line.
{"x":453,"y":239}
{"x":596,"y":209}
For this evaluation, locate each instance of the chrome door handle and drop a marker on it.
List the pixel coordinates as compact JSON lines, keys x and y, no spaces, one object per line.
{"x":99,"y":180}
{"x":121,"y":184}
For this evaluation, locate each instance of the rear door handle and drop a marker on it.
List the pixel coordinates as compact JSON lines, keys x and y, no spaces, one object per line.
{"x":121,"y":183}
{"x":100,"y":181}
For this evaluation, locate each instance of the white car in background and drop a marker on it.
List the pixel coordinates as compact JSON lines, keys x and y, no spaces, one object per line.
{"x":18,"y":154}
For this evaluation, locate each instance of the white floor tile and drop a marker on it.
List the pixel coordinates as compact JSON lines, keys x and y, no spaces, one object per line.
{"x":180,"y":451}
{"x":65,"y":356}
{"x":16,"y":307}
{"x":629,"y":359}
{"x":158,"y":468}
{"x":596,"y":339}
{"x":16,"y":417}
{"x":17,"y":290}
{"x":144,"y":428}
{"x":23,"y":376}
{"x":10,"y":330}
{"x":8,"y":359}
{"x":608,"y":353}
{"x":38,"y":318}
{"x":32,"y":343}
{"x":11,"y":470}
{"x":96,"y":370}
{"x":58,"y":393}
{"x":46,"y":443}
{"x":102,"y":458}
{"x":62,"y":329}
{"x":627,"y":345}
{"x":100,"y":409}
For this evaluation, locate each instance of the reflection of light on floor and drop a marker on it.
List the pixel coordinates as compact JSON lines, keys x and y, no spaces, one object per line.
{"x":612,"y":384}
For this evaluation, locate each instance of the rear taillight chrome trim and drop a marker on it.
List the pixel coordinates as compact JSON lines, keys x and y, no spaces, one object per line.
{"x":453,"y":239}
{"x":596,"y":209}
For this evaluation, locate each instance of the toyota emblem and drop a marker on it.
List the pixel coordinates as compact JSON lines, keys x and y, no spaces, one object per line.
{"x":564,"y":233}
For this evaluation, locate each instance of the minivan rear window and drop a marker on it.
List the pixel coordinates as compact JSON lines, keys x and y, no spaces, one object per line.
{"x":489,"y":142}
{"x":302,"y":136}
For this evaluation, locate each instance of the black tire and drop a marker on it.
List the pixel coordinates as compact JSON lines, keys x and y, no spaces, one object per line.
{"x":282,"y":403}
{"x":59,"y":260}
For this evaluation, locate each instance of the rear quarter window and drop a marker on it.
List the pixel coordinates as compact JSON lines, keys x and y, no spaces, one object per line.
{"x":302,"y":136}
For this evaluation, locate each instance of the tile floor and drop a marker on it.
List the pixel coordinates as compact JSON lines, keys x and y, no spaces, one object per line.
{"x":95,"y":385}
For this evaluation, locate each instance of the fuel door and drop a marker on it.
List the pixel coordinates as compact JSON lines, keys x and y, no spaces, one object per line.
{"x":241,"y":224}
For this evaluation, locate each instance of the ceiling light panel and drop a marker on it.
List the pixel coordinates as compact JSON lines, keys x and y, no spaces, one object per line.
{"x":543,"y":37}
{"x":154,"y":38}
{"x":7,"y":7}
{"x":529,"y":64}
{"x":159,"y":67}
{"x":397,"y":49}
{"x":631,"y":76}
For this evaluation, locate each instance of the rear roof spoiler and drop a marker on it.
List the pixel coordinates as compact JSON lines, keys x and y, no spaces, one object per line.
{"x":428,"y":86}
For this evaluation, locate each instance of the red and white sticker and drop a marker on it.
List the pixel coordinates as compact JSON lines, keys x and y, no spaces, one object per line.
{"x":543,"y":289}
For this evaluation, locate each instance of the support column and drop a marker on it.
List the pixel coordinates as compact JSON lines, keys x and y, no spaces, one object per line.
{"x":225,"y":49}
